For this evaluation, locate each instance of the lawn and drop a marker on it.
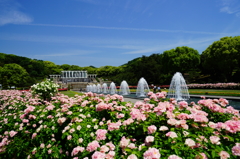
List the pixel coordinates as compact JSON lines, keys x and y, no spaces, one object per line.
{"x":70,"y":93}
{"x":217,"y":92}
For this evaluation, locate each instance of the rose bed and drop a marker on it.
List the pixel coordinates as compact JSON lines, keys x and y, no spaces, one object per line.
{"x":104,"y":126}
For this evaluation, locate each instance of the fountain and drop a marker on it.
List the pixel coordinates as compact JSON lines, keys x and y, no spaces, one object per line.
{"x":178,"y":88}
{"x":90,"y":88}
{"x":104,"y":88}
{"x":99,"y":88}
{"x":142,"y":88}
{"x":112,"y":88}
{"x":124,"y":88}
{"x":94,"y":88}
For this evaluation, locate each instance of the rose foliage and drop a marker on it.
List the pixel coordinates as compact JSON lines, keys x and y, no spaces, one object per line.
{"x":99,"y":126}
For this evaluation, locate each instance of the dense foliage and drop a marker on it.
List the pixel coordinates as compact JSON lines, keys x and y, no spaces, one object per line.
{"x":218,"y":63}
{"x":222,"y":59}
{"x":98,"y":126}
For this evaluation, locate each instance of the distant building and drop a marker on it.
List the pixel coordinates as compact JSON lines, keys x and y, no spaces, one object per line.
{"x":73,"y":76}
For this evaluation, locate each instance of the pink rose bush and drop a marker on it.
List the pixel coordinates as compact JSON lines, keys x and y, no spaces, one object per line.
{"x":105,"y":126}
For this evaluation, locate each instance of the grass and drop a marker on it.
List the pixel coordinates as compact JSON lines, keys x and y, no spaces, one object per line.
{"x":217,"y":92}
{"x":70,"y":93}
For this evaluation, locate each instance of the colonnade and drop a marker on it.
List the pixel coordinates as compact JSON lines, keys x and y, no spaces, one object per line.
{"x":74,"y":74}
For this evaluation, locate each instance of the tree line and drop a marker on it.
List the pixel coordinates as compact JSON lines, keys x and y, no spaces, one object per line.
{"x":220,"y":62}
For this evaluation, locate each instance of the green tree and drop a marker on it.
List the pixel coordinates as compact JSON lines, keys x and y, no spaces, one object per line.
{"x":65,"y":67}
{"x":14,"y":74}
{"x":51,"y":68}
{"x":182,"y":59}
{"x":222,"y":59}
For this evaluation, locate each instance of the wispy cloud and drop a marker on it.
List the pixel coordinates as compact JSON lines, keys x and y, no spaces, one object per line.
{"x":127,"y":29}
{"x":67,"y":53}
{"x":198,"y":43}
{"x":231,"y":7}
{"x":10,"y":14}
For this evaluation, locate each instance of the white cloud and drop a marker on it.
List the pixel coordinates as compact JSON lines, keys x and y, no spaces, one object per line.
{"x":230,"y":7}
{"x":67,"y":53}
{"x":10,"y":14}
{"x":128,"y":29}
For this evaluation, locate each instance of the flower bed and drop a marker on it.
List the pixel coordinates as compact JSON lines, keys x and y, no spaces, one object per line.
{"x":215,"y":86}
{"x":98,"y":126}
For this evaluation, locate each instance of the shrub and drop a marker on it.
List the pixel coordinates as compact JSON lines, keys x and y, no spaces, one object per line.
{"x":45,"y":89}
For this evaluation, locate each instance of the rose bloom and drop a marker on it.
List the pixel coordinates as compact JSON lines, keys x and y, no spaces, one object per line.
{"x":215,"y":140}
{"x":104,"y":148}
{"x":80,"y":140}
{"x":132,"y":156}
{"x":34,"y":135}
{"x":152,"y":129}
{"x":42,"y":145}
{"x":76,"y":150}
{"x":152,"y":153}
{"x":110,"y":155}
{"x":132,"y":146}
{"x":124,"y":142}
{"x":174,"y":157}
{"x":101,"y":134}
{"x":189,"y":142}
{"x":61,"y":120}
{"x":69,"y":137}
{"x":12,"y":133}
{"x":114,"y":126}
{"x":98,"y":155}
{"x":111,"y":145}
{"x":92,"y":146}
{"x":163,"y":128}
{"x":201,"y":156}
{"x":224,"y":155}
{"x":236,"y":149}
{"x":149,"y":139}
{"x":171,"y":134}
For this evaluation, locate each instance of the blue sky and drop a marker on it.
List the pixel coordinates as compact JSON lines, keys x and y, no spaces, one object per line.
{"x":112,"y":32}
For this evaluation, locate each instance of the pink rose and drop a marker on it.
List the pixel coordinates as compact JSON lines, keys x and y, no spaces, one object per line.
{"x":34,"y":135}
{"x":174,"y":157}
{"x":132,"y":156}
{"x":101,"y":134}
{"x":61,"y":120}
{"x":215,"y":140}
{"x":224,"y":155}
{"x":163,"y":128}
{"x":12,"y":133}
{"x":171,"y":134}
{"x":189,"y":142}
{"x":152,"y":153}
{"x":236,"y":150}
{"x":98,"y":155}
{"x":149,"y":139}
{"x":92,"y":146}
{"x":124,"y":142}
{"x":152,"y":129}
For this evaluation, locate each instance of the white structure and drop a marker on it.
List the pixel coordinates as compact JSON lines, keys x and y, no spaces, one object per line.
{"x":73,"y":76}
